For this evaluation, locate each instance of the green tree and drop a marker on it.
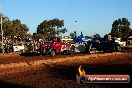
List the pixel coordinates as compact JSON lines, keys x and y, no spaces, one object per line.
{"x":72,"y":35}
{"x":97,"y":36}
{"x":37,"y":36}
{"x":121,"y":28}
{"x":6,"y":25}
{"x":130,"y":33}
{"x":23,"y":31}
{"x":14,"y":27}
{"x":51,"y":27}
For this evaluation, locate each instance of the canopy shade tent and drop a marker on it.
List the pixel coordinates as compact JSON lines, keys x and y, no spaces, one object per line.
{"x":130,"y":37}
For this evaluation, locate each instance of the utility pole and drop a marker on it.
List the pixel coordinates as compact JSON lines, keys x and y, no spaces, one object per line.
{"x":2,"y":47}
{"x":1,"y":22}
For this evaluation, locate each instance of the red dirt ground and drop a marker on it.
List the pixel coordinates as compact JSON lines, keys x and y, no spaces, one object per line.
{"x":60,"y":71}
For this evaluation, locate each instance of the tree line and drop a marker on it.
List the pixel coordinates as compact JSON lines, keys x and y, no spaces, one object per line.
{"x":13,"y":28}
{"x":120,"y":28}
{"x":50,"y":27}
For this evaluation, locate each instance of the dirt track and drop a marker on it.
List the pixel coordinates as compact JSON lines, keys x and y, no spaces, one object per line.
{"x":60,"y":71}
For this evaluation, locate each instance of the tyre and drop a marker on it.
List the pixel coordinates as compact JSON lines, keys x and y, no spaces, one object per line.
{"x":87,"y":48}
{"x":52,"y":53}
{"x":118,"y":48}
{"x":72,"y":50}
{"x":66,"y":52}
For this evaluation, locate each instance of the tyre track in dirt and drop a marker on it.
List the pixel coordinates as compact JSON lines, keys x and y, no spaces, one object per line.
{"x":61,"y":71}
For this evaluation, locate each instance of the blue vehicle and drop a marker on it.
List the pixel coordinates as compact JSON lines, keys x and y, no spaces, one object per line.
{"x":97,"y":45}
{"x":80,"y":38}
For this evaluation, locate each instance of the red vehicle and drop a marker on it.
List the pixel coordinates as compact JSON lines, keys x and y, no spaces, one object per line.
{"x":53,"y":45}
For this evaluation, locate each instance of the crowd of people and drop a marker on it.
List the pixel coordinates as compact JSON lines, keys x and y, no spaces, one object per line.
{"x":9,"y":45}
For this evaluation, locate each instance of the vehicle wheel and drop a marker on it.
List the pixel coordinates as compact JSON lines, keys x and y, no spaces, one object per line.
{"x":52,"y":53}
{"x":118,"y":48}
{"x":87,"y":48}
{"x":66,"y":52}
{"x":72,"y":50}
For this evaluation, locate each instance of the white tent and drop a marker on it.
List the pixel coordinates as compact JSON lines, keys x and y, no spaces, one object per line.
{"x":130,"y":37}
{"x":130,"y":40}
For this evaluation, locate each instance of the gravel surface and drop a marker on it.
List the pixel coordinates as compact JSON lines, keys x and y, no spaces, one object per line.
{"x":60,"y":71}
